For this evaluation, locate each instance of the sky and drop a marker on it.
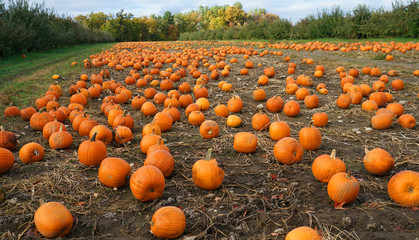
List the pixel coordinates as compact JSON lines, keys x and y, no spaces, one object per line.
{"x":293,"y":10}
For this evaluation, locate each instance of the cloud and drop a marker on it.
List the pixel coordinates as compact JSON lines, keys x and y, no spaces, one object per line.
{"x":292,"y":10}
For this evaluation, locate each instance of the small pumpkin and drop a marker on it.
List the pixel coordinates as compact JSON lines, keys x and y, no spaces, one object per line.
{"x":168,"y":222}
{"x":113,"y":172}
{"x":259,"y":95}
{"x":53,"y":220}
{"x":161,"y":159}
{"x":325,"y":166}
{"x":27,"y":113}
{"x":344,"y":101}
{"x":378,"y":161}
{"x":39,"y":119}
{"x":381,"y":121}
{"x":31,"y":152}
{"x":292,"y":108}
{"x":260,"y":121}
{"x":343,"y":188}
{"x":279,"y":129}
{"x":310,"y":138}
{"x":196,"y":118}
{"x":7,"y":159}
{"x":11,"y":111}
{"x":303,"y":233}
{"x":274,"y":104}
{"x":147,"y":183}
{"x":245,"y":142}
{"x":92,"y":152}
{"x":164,"y":121}
{"x":60,"y":139}
{"x":124,"y":119}
{"x":320,"y":119}
{"x":209,"y":129}
{"x":234,"y":121}
{"x":148,"y":109}
{"x":208,"y":173}
{"x":288,"y":151}
{"x":221,"y":110}
{"x":311,"y":101}
{"x":235,"y":104}
{"x":403,"y":188}
{"x":148,"y":140}
{"x":122,"y":135}
{"x":103,"y":133}
{"x":7,"y":139}
{"x":407,"y":121}
{"x":86,"y":127}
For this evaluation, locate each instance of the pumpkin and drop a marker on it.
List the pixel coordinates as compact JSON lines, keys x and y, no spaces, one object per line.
{"x":185,"y":100}
{"x":92,"y":152}
{"x":113,"y":172}
{"x":397,"y":108}
{"x":7,"y":159}
{"x":31,"y":152}
{"x":311,"y":101}
{"x":159,"y":98}
{"x":260,"y":121}
{"x":407,"y":121}
{"x":61,"y":139}
{"x":196,"y":118}
{"x":209,"y":129}
{"x":221,"y":110}
{"x":378,"y":161}
{"x":53,"y":220}
{"x":259,"y":95}
{"x":291,"y":88}
{"x":123,"y":119}
{"x":190,"y":108}
{"x":301,"y":93}
{"x":103,"y":134}
{"x":201,"y":92}
{"x":164,"y":121}
{"x":369,"y":105}
{"x":288,"y":151}
{"x":168,"y":222}
{"x":60,"y":115}
{"x":113,"y":113}
{"x":379,"y":97}
{"x":173,"y":112}
{"x":148,"y":109}
{"x":325,"y":166}
{"x":403,"y":188}
{"x":378,"y":86}
{"x":245,"y":142}
{"x":12,"y":111}
{"x":122,"y":135}
{"x":79,"y":119}
{"x":235,"y":104}
{"x":171,"y":101}
{"x":292,"y":108}
{"x":381,"y":121}
{"x":397,"y":84}
{"x":7,"y":139}
{"x":158,"y":146}
{"x":149,"y":140}
{"x":344,"y":101}
{"x":147,"y":183}
{"x":303,"y":233}
{"x":86,"y":126}
{"x":343,"y":188}
{"x":208,"y":173}
{"x":320,"y":119}
{"x":161,"y":159}
{"x":39,"y":119}
{"x":74,"y":114}
{"x":375,"y":72}
{"x":234,"y":121}
{"x":137,"y":102}
{"x":27,"y":113}
{"x":279,"y":129}
{"x":310,"y":138}
{"x":203,"y":104}
{"x":274,"y":104}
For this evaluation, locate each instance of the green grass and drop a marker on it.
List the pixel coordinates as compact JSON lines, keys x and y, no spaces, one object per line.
{"x":24,"y":79}
{"x":329,"y":40}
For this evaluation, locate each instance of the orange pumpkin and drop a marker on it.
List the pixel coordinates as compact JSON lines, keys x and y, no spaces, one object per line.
{"x":31,"y":152}
{"x":147,"y":183}
{"x":168,"y":222}
{"x":208,"y":173}
{"x":343,"y":188}
{"x":245,"y":142}
{"x":113,"y":172}
{"x":161,"y":159}
{"x":279,"y":129}
{"x":209,"y":129}
{"x":274,"y":104}
{"x":320,"y":119}
{"x":7,"y":139}
{"x":61,"y":139}
{"x":407,"y":121}
{"x":325,"y":166}
{"x":260,"y":121}
{"x":122,"y":135}
{"x":235,"y":104}
{"x":103,"y":134}
{"x":378,"y":161}
{"x":53,"y":220}
{"x":403,"y":188}
{"x":303,"y":233}
{"x":292,"y":108}
{"x":7,"y":159}
{"x":310,"y":138}
{"x":288,"y":151}
{"x":92,"y":152}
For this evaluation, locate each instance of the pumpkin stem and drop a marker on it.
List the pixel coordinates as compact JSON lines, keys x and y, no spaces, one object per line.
{"x":93,"y":137}
{"x":333,"y":154}
{"x":61,"y":128}
{"x":170,"y":104}
{"x":41,"y":109}
{"x":36,"y":152}
{"x":210,"y":132}
{"x":1,"y":128}
{"x":411,"y":188}
{"x":208,"y":157}
{"x":348,"y":175}
{"x":366,"y":149}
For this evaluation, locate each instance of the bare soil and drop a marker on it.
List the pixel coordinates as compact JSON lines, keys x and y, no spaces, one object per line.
{"x":260,"y":198}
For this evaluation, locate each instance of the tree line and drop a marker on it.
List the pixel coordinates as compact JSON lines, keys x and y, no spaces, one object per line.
{"x":32,"y":27}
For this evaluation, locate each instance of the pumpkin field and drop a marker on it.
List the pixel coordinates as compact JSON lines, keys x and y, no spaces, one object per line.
{"x":315,"y":134}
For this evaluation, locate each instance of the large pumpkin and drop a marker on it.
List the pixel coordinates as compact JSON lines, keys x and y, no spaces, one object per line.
{"x":208,"y":173}
{"x":113,"y":172}
{"x":53,"y":220}
{"x":168,"y":222}
{"x":403,"y":188}
{"x":92,"y":152}
{"x":161,"y":159}
{"x":325,"y":166}
{"x":310,"y":138}
{"x":147,"y":183}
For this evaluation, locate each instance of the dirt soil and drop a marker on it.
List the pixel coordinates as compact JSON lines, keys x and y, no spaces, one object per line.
{"x":259,"y":198}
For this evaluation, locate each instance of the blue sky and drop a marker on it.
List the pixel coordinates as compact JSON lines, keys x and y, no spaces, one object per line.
{"x":292,"y":10}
